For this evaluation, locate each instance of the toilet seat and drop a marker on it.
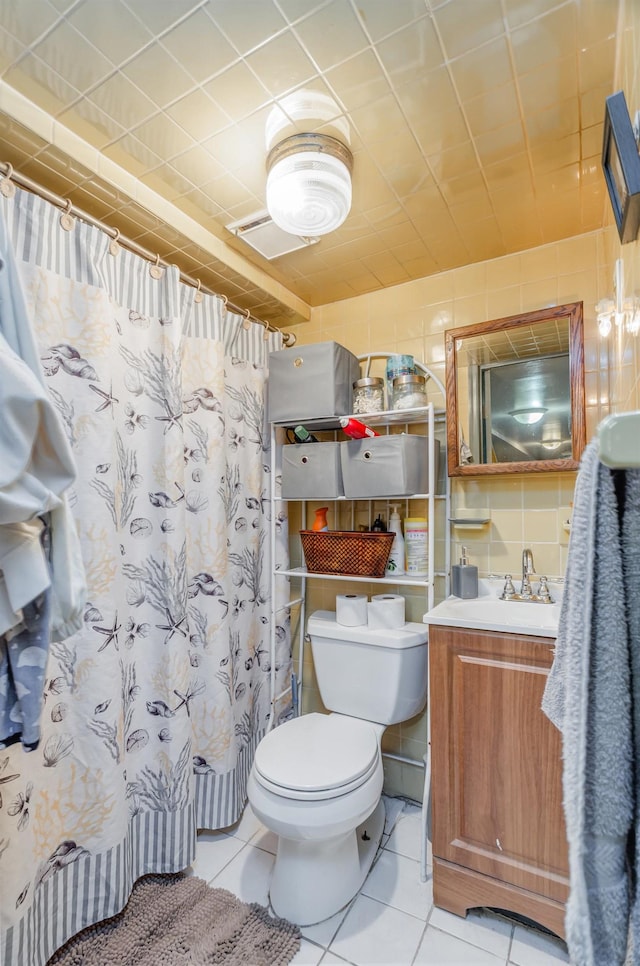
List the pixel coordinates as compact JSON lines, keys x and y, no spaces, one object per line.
{"x":317,"y":757}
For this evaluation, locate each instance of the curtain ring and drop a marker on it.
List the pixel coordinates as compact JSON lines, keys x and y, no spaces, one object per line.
{"x":156,"y":271}
{"x":224,"y":299}
{"x":114,"y":247}
{"x":198,"y":296}
{"x":265,"y":334}
{"x":67,"y":220}
{"x":246,"y":325}
{"x":7,"y":187}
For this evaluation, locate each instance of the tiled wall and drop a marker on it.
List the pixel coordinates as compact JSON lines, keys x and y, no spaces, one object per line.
{"x":412,"y":318}
{"x":625,"y":360}
{"x":524,"y":509}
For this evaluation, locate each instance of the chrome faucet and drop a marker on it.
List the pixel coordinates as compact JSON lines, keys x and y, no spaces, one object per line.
{"x":528,"y":570}
{"x":542,"y":596}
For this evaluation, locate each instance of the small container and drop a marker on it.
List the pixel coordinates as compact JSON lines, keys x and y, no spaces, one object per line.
{"x":464,"y":578}
{"x":320,"y":519}
{"x":302,"y":435}
{"x":416,"y":545}
{"x":395,"y":563}
{"x":355,"y":429}
{"x":368,"y":395}
{"x":399,"y":365}
{"x":408,"y":392}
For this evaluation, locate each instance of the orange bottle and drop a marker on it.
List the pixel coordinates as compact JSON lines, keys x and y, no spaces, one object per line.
{"x":320,"y":522}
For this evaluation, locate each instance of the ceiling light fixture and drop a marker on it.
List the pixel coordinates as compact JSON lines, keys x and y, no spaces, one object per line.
{"x":309,"y":184}
{"x":528,"y":416}
{"x":552,"y":434}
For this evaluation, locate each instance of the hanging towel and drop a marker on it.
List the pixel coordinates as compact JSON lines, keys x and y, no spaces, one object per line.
{"x":51,"y":460}
{"x":589,"y":696}
{"x":23,"y":661}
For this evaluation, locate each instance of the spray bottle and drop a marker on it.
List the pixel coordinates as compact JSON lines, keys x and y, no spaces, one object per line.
{"x":355,"y":429}
{"x":395,"y":563}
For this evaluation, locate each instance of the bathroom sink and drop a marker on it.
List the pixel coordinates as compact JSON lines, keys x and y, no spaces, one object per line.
{"x":488,"y":612}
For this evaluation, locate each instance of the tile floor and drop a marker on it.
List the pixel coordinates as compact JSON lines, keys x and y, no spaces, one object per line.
{"x":392,"y":921}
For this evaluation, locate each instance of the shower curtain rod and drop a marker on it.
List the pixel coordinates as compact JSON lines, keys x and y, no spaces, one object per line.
{"x":9,"y":174}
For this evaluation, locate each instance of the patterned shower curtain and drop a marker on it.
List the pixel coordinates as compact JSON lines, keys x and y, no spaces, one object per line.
{"x":153,"y":710}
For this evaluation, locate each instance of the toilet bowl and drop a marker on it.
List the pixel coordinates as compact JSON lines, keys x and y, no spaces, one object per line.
{"x":316,"y":780}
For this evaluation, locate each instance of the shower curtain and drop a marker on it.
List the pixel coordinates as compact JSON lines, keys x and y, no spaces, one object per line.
{"x":153,"y":709}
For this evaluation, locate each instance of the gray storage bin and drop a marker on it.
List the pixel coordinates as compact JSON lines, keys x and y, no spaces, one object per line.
{"x":311,"y":382}
{"x":386,"y":466}
{"x":311,"y":471}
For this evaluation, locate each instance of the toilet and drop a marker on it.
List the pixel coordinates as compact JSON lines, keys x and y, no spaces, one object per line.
{"x":316,"y":781}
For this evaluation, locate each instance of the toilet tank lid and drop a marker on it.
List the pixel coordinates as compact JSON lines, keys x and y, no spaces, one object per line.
{"x":322,"y":623}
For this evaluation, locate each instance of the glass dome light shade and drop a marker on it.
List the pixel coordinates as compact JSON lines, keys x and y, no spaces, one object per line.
{"x":309,"y":184}
{"x":528,"y":416}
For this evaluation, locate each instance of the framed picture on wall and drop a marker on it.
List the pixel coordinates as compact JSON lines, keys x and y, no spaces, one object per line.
{"x":621,"y":166}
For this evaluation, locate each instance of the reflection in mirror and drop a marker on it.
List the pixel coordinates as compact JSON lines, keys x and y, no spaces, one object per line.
{"x":515,"y":393}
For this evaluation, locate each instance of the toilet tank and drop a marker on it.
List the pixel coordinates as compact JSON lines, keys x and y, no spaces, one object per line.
{"x":376,"y":675}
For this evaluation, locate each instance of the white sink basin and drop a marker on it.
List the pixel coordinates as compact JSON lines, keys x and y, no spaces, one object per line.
{"x":488,"y":612}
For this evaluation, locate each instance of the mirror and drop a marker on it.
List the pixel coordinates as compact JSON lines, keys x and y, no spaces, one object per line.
{"x":515,"y":393}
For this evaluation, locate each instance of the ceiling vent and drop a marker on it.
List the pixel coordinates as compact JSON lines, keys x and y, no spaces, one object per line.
{"x":261,"y":232}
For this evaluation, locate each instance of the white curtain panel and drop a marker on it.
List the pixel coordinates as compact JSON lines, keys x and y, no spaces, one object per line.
{"x":153,"y":710}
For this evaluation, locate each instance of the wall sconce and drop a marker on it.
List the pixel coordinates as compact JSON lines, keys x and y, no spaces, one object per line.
{"x":309,"y":184}
{"x":621,"y":311}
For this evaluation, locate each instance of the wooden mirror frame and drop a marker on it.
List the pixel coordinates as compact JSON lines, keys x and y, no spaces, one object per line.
{"x":573,"y":312}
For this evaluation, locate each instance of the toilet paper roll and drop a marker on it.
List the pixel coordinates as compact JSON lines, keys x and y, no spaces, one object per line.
{"x":351,"y":609}
{"x":386,"y":611}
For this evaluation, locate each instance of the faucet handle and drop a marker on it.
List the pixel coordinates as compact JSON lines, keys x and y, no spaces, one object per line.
{"x":509,"y":591}
{"x":543,"y":590}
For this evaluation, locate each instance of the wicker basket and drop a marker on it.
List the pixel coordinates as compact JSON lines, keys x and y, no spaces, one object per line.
{"x":346,"y":552}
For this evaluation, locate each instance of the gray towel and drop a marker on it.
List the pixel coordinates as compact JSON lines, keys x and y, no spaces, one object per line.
{"x":589,"y":697}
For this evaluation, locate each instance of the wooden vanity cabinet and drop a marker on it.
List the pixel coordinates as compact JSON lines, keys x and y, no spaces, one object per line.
{"x":498,"y":826}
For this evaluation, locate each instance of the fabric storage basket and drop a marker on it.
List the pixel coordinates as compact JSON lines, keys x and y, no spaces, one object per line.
{"x":311,"y":471}
{"x":311,"y":382}
{"x":386,"y":466}
{"x":346,"y":552}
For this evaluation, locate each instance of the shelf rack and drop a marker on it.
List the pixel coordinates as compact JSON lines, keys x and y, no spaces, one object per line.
{"x":388,"y":418}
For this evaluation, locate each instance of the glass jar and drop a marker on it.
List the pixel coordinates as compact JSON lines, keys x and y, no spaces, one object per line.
{"x":399,"y":365}
{"x":368,"y":395}
{"x":408,"y":392}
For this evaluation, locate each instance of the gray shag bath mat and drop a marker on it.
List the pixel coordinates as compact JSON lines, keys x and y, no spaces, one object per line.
{"x":174,"y":920}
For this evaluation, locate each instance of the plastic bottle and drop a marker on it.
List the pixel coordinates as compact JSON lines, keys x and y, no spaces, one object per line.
{"x":320,"y":520}
{"x":416,"y":542}
{"x":395,"y":563}
{"x":464,"y":578}
{"x":302,"y":435}
{"x":355,"y":429}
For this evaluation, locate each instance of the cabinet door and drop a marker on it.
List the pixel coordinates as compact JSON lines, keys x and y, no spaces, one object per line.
{"x":497,"y":772}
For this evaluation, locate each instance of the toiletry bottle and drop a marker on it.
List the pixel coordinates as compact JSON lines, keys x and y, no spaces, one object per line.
{"x":464,"y":578}
{"x":416,"y":543}
{"x":355,"y":429}
{"x":395,"y":563}
{"x":320,"y":520}
{"x":378,"y":525}
{"x":302,"y":435}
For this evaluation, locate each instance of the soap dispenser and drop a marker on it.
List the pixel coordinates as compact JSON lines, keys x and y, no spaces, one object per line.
{"x":464,"y":578}
{"x":395,"y":563}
